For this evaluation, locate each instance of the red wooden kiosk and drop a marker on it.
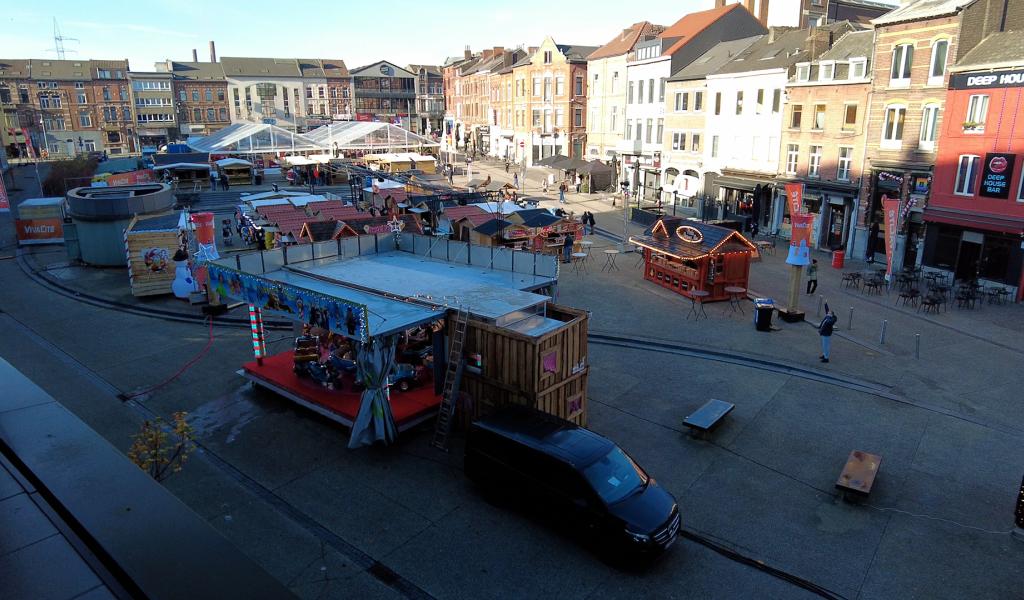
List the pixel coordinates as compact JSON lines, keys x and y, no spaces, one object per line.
{"x":686,"y":256}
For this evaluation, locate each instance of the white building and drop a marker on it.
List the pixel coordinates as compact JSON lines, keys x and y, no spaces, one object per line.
{"x":606,"y":98}
{"x":648,"y":67}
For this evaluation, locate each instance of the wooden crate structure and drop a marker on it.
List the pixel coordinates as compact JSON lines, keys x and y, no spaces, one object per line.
{"x":548,"y":372}
{"x":150,"y":243}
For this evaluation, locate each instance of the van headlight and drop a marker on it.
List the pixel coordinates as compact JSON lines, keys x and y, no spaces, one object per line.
{"x":639,"y":538}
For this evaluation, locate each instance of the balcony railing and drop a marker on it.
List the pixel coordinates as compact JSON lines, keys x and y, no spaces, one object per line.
{"x":403,"y":94}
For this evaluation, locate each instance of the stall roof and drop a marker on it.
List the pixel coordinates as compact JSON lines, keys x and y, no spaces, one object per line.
{"x":505,"y":207}
{"x":662,"y":238}
{"x":168,"y":222}
{"x":233,"y":162}
{"x":361,"y":135}
{"x":386,"y":316}
{"x":51,"y":201}
{"x":270,"y":194}
{"x":183,"y":165}
{"x":486,"y":293}
{"x":255,"y":138}
{"x":537,"y":217}
{"x":492,"y":227}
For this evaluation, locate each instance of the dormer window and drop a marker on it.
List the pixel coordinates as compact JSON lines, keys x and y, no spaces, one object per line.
{"x":803,"y":72}
{"x":858,"y":66}
{"x":826,"y":71}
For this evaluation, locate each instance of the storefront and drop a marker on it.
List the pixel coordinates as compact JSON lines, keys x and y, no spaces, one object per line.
{"x":974,"y":245}
{"x":746,"y":199}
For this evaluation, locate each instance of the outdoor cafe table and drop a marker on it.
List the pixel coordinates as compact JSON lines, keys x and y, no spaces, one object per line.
{"x":609,"y":260}
{"x":697,"y":298}
{"x":735,"y":297}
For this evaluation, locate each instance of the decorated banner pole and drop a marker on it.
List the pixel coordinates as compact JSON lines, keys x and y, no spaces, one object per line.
{"x":799,"y":243}
{"x":891,"y":208}
{"x":259,"y":347}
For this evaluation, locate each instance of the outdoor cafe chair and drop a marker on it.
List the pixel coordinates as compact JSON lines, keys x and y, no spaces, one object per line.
{"x":910,"y":295}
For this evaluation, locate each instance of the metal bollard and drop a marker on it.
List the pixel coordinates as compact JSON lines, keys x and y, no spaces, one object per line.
{"x":821,"y":299}
{"x":917,"y":345}
{"x":849,"y":324}
{"x":881,"y":339}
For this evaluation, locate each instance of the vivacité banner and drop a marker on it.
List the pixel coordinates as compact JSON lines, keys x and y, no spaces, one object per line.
{"x":795,"y":198}
{"x":800,"y":239}
{"x":891,"y":207}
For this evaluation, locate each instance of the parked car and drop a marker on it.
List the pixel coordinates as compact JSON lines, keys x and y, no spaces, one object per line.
{"x":563,"y":469}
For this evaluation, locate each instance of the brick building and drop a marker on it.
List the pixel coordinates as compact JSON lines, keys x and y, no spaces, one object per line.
{"x":110,"y":104}
{"x":915,"y":46}
{"x":200,"y":95}
{"x":474,"y":88}
{"x":429,"y":98}
{"x":823,"y":135}
{"x":155,"y":115}
{"x":550,"y":91}
{"x":975,"y":216}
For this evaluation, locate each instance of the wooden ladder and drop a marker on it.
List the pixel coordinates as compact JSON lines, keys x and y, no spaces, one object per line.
{"x":452,"y":378}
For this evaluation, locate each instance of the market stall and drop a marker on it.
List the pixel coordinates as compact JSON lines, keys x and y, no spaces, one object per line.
{"x":236,"y":170}
{"x":150,"y":245}
{"x":686,"y":256}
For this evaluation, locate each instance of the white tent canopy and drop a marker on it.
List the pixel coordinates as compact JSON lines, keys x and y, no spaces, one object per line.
{"x":233,"y":162}
{"x":367,"y":135}
{"x":253,"y":138}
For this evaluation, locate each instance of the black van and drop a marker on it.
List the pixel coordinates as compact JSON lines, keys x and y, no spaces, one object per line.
{"x":583,"y":477}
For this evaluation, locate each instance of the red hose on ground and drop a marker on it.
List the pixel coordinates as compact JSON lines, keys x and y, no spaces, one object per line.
{"x":179,"y":372}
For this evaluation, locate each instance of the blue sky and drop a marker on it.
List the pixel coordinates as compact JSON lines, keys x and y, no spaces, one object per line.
{"x":361,"y":32}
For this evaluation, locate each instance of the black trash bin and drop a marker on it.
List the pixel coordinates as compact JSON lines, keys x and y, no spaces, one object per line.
{"x":259,"y":178}
{"x":763,"y":309}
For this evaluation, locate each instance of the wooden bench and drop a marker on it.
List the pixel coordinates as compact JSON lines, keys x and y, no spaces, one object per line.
{"x":858,"y":475}
{"x":707,"y":417}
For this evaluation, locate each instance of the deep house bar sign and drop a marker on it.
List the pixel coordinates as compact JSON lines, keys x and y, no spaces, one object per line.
{"x":995,"y":177}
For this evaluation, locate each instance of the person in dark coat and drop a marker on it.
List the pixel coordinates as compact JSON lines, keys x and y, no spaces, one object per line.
{"x":567,"y":247}
{"x":825,"y":332}
{"x":872,"y":241}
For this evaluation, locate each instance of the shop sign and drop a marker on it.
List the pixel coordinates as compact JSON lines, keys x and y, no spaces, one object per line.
{"x":517,"y":232}
{"x":689,"y":234}
{"x":985,"y":79}
{"x":132,"y":177}
{"x":995,"y":177}
{"x":39,"y":231}
{"x":922,"y":183}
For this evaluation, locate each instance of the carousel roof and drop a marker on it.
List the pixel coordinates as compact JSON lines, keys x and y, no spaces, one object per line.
{"x":361,"y":135}
{"x":255,"y":138}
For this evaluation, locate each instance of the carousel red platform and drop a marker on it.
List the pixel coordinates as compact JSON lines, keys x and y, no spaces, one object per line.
{"x":409,"y":408}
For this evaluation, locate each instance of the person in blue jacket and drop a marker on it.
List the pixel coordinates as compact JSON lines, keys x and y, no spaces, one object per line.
{"x":825,"y":331}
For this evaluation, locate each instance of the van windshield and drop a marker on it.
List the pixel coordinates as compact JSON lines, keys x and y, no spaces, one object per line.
{"x":614,"y":476}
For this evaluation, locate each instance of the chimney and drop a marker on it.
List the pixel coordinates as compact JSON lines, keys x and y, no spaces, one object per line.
{"x":762,"y":14}
{"x":533,"y":49}
{"x":213,"y":52}
{"x":499,"y":50}
{"x":467,"y":54}
{"x":195,"y":55}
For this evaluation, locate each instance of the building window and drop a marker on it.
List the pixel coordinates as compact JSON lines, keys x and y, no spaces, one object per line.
{"x":560,"y":86}
{"x":650,"y":131}
{"x":630,"y":93}
{"x":739,"y":102}
{"x":792,"y":156}
{"x":695,"y":142}
{"x":819,"y":117}
{"x":197,"y":115}
{"x":826,"y":71}
{"x":44,"y":102}
{"x":937,"y":70}
{"x":902,"y":59}
{"x":714,"y":146}
{"x":803,"y":72}
{"x":536,"y":86}
{"x":678,"y":141}
{"x":682,"y":99}
{"x":536,"y":117}
{"x":547,"y":57}
{"x":547,"y":121}
{"x":698,"y":101}
{"x":759,"y":104}
{"x":629,"y":129}
{"x":892,"y":126}
{"x":579,"y":85}
{"x":718,"y":103}
{"x":857,"y":68}
{"x":776,"y":100}
{"x":966,"y":174}
{"x":223,"y":114}
{"x":661,"y":130}
{"x":81,"y":98}
{"x":849,"y":116}
{"x":1020,"y":189}
{"x":210,"y":115}
{"x":183,"y":96}
{"x":661,"y":90}
{"x":615,"y":82}
{"x":85,"y":119}
{"x":547,"y":89}
{"x":845,"y":163}
{"x":195,"y":95}
{"x":977,"y":110}
{"x":106,"y":94}
{"x":615,"y":117}
{"x":650,"y":91}
{"x":929,"y":126}
{"x":640,"y":92}
{"x":796,"y":116}
{"x":814,"y":164}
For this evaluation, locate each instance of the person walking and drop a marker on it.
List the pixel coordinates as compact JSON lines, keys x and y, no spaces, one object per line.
{"x":753,"y":230}
{"x":872,"y":242}
{"x":213,"y":180}
{"x":507,"y":166}
{"x":579,"y":183}
{"x":567,"y":247}
{"x":224,"y":184}
{"x":812,"y":276}
{"x":591,"y":221}
{"x":515,"y":180}
{"x":561,"y":193}
{"x":825,"y":331}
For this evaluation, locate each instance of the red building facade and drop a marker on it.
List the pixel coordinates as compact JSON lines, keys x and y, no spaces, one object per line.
{"x":975,"y":217}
